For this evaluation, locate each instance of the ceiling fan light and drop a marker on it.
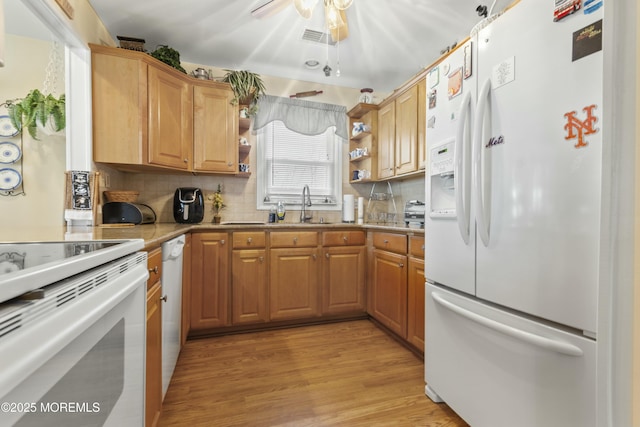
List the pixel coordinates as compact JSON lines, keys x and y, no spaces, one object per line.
{"x":342,"y":4}
{"x":305,"y":7}
{"x":333,"y":17}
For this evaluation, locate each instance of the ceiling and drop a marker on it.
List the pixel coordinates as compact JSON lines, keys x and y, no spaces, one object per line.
{"x":388,"y":42}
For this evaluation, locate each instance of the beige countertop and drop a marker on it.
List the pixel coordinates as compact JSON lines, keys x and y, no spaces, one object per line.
{"x":155,"y":234}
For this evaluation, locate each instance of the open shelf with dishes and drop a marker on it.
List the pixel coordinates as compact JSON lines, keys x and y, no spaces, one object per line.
{"x":363,"y":144}
{"x":244,"y":146}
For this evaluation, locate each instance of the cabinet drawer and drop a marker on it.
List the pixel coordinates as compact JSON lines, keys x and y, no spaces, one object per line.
{"x":154,"y":264}
{"x":289,"y":239}
{"x":248,"y":239}
{"x":391,"y":242}
{"x":343,"y":238}
{"x":416,"y":246}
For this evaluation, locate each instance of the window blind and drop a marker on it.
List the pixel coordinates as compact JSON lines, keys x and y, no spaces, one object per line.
{"x":294,"y":160}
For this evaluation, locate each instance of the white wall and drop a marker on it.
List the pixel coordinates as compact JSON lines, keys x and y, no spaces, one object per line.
{"x":43,"y":162}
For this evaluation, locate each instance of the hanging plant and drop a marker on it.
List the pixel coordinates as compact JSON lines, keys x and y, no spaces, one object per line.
{"x":248,"y":87}
{"x":169,"y":56}
{"x":37,"y":109}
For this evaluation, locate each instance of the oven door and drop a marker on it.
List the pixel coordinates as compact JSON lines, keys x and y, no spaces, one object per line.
{"x":81,"y":364}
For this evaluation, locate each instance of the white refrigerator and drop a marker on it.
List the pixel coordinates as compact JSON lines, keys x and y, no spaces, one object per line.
{"x":512,"y":226}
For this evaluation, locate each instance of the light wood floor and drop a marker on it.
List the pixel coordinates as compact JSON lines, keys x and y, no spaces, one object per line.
{"x":340,"y":374}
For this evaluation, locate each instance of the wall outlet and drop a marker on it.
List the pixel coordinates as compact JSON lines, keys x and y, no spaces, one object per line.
{"x":106,"y":180}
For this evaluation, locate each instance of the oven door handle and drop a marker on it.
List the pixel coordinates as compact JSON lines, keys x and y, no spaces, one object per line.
{"x":53,"y":332}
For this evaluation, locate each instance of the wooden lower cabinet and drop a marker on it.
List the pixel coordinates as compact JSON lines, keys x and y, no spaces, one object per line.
{"x":388,"y":290}
{"x":249,"y":286}
{"x":293,"y":283}
{"x":415,"y":303}
{"x":209,"y":280}
{"x":343,"y":280}
{"x":153,"y":385}
{"x":153,"y":391}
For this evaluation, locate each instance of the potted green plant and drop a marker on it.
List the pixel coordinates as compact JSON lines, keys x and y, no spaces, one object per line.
{"x":218,"y":204}
{"x":169,"y":56}
{"x":38,"y":110}
{"x":248,"y":87}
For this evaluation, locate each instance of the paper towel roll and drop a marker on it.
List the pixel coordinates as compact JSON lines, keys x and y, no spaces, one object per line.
{"x":348,"y":208}
{"x":360,"y":210}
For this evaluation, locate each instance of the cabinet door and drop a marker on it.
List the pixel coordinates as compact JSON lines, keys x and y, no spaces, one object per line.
{"x":386,"y":140}
{"x":249,"y":286}
{"x":210,"y":280}
{"x":343,"y":280}
{"x":406,"y":158}
{"x":170,"y":120}
{"x":422,"y":123}
{"x":119,"y":99}
{"x":389,"y":291}
{"x":153,"y":400}
{"x":415,"y":303}
{"x":215,"y":130}
{"x":293,"y":283}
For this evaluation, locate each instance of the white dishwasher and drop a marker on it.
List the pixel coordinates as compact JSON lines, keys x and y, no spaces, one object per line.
{"x":171,"y":311}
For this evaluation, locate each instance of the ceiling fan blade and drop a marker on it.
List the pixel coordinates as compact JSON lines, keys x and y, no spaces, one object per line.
{"x":270,"y":8}
{"x":341,"y":32}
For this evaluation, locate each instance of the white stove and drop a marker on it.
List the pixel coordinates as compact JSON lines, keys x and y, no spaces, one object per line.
{"x":28,"y":266}
{"x":72,"y":333}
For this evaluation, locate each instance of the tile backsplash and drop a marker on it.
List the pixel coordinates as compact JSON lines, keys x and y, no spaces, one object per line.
{"x":239,"y":194}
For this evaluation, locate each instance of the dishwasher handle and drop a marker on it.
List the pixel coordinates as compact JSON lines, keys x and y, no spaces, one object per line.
{"x":173,"y":248}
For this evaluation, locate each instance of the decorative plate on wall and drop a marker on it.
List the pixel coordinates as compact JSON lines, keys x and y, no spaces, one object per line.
{"x":9,"y":152}
{"x":7,"y":129}
{"x":9,"y":179}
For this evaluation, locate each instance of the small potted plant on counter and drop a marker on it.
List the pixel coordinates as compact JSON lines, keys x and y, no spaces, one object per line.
{"x":218,"y":204}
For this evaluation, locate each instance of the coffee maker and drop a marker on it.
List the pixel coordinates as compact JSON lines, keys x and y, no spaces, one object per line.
{"x":188,"y":205}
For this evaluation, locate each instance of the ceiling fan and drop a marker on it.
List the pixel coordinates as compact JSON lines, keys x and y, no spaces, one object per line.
{"x":334,"y":10}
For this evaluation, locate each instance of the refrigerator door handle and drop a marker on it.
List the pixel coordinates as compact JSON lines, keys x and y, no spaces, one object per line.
{"x":481,"y":220}
{"x":528,"y":337}
{"x":461,"y":175}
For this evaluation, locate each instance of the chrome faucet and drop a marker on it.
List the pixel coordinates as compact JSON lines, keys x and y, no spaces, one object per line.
{"x":305,"y":202}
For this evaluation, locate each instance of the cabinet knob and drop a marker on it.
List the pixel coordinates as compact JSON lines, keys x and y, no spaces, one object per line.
{"x":295,"y":240}
{"x":186,"y":160}
{"x":423,"y":247}
{"x":230,"y":164}
{"x":401,"y":265}
{"x":385,"y":241}
{"x":164,"y":298}
{"x":249,"y":240}
{"x":222,"y":242}
{"x":261,"y":259}
{"x":326,"y":255}
{"x":154,"y":270}
{"x":314,"y":256}
{"x":345,"y":238}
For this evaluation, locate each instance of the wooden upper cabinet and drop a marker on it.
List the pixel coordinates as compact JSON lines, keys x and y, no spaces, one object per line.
{"x":119,"y":96}
{"x":145,"y":114}
{"x":406,"y":147}
{"x":170,"y":120}
{"x":422,"y":123}
{"x":386,"y":140}
{"x":215,"y":129}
